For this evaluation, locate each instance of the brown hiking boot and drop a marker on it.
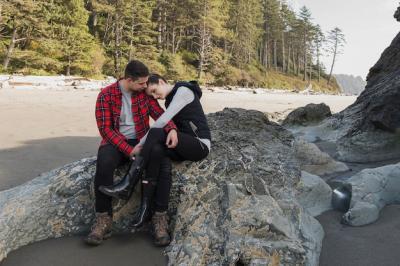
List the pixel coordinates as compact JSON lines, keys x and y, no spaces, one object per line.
{"x":160,"y":229}
{"x":100,"y":230}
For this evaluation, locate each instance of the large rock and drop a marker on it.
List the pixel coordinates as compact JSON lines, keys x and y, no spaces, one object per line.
{"x":372,"y":189}
{"x":57,"y":203}
{"x":239,"y":204}
{"x":314,"y":194}
{"x":370,"y":128}
{"x":314,"y":161}
{"x":307,"y":115}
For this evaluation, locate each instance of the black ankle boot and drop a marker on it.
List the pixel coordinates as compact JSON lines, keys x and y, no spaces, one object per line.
{"x":143,"y":214}
{"x":124,"y":188}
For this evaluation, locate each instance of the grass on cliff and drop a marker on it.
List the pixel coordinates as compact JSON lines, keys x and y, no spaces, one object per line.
{"x":277,"y":80}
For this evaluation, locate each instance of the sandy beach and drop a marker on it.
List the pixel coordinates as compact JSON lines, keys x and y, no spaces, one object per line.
{"x":46,"y":129}
{"x":41,"y":114}
{"x":43,"y":129}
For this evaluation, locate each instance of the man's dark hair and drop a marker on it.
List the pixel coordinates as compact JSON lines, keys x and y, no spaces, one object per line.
{"x":136,"y":69}
{"x":155,"y":78}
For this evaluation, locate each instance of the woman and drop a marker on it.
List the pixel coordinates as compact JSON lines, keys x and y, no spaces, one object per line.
{"x":182,"y":102}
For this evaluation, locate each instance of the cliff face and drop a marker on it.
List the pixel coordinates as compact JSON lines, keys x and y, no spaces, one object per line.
{"x":350,"y":84}
{"x":379,"y":104}
{"x":369,"y":129}
{"x":397,"y":14}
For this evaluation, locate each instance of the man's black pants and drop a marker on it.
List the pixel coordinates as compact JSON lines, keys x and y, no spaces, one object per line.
{"x":110,"y":158}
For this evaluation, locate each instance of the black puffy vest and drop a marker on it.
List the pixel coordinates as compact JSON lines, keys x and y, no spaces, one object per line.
{"x":193,"y":112}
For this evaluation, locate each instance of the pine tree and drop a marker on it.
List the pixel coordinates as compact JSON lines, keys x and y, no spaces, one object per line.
{"x":336,"y":41}
{"x":245,"y":18}
{"x":98,"y":9}
{"x":208,"y":25}
{"x":289,"y":22}
{"x":319,"y":40}
{"x":71,"y":41}
{"x":19,"y":22}
{"x":305,"y":27}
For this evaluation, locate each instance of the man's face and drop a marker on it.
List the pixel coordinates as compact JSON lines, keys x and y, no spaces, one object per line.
{"x":138,"y":84}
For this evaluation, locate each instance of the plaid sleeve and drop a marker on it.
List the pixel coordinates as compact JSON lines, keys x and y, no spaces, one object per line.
{"x":105,"y":126}
{"x":156,"y":111}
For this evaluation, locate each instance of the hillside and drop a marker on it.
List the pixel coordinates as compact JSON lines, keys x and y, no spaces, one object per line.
{"x":350,"y":84}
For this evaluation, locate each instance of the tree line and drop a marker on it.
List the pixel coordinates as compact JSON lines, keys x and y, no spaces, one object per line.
{"x":238,"y":42}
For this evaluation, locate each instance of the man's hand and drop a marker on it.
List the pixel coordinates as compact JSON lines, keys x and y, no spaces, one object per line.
{"x":172,"y":139}
{"x":136,"y":150}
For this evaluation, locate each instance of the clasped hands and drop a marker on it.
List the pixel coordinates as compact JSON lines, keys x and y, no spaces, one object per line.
{"x":171,"y":142}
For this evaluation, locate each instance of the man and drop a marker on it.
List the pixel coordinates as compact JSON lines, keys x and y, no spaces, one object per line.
{"x":122,"y":115}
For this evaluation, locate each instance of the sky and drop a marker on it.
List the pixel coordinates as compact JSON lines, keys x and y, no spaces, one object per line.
{"x":368,"y":25}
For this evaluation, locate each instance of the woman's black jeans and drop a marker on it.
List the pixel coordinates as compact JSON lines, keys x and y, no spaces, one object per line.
{"x":157,"y":156}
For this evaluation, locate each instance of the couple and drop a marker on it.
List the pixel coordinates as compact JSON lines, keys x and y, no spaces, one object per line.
{"x":180,"y":133}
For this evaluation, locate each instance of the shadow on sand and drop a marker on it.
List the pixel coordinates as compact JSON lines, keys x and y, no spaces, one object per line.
{"x":33,"y":157}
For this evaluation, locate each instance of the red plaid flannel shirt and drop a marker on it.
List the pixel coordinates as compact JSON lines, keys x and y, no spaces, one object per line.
{"x":108,"y":111}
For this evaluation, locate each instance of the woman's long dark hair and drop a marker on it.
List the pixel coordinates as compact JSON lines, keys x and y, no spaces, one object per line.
{"x":155,"y":78}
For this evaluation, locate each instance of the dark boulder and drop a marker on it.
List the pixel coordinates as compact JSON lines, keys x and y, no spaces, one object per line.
{"x":307,"y":115}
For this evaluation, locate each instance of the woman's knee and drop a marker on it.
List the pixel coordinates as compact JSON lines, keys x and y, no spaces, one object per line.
{"x":157,"y":151}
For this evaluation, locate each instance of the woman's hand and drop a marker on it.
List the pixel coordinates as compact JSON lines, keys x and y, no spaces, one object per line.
{"x":172,"y":139}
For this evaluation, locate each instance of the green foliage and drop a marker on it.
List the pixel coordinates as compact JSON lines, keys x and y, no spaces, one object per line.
{"x":230,"y":76}
{"x":245,"y":17}
{"x":176,"y":67}
{"x":27,"y":61}
{"x":189,"y":57}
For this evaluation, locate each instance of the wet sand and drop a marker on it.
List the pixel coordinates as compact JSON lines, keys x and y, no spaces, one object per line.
{"x":376,"y":244}
{"x":42,"y":130}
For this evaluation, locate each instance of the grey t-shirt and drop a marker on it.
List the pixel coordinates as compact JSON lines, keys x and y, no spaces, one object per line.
{"x":126,"y":124}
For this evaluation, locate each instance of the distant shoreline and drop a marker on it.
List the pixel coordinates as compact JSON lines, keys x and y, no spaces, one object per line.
{"x":65,"y":83}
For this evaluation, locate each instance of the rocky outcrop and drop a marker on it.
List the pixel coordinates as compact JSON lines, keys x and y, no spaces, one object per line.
{"x":314,"y":161}
{"x":308,"y":115}
{"x":397,"y":14}
{"x":243,"y":203}
{"x":372,"y":189}
{"x":350,"y":84}
{"x":314,"y":194}
{"x":239,"y":204}
{"x":57,"y":203}
{"x":369,"y":129}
